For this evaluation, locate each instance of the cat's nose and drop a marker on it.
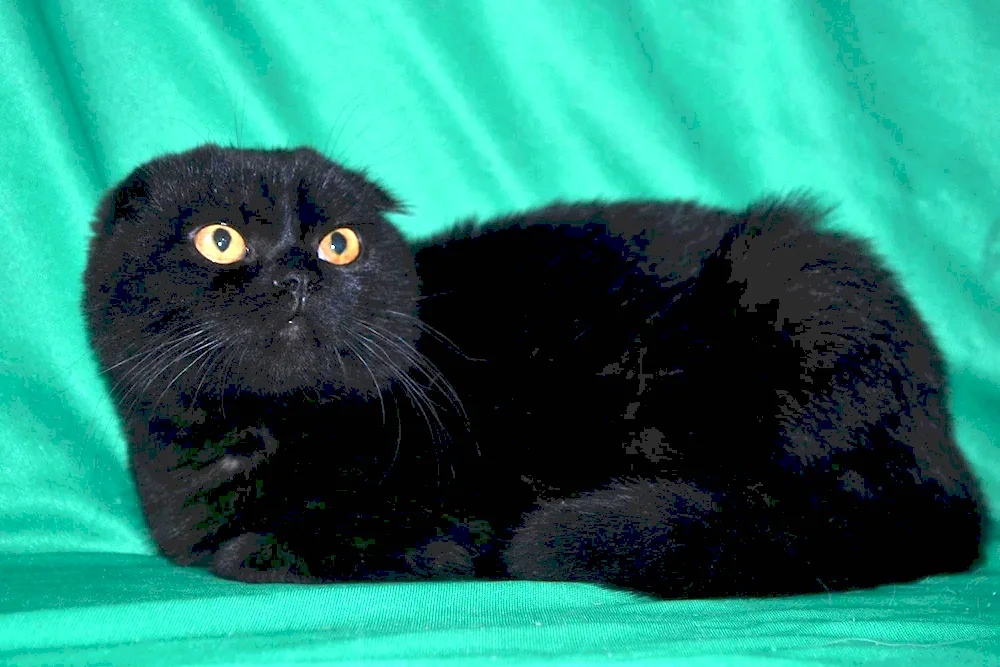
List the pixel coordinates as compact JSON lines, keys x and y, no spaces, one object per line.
{"x":296,"y":282}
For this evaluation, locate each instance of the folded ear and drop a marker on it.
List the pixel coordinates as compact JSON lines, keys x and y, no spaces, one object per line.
{"x":371,"y":192}
{"x":123,"y":202}
{"x":134,"y":194}
{"x":357,"y":182}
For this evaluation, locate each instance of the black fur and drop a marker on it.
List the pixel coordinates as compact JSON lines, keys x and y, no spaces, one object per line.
{"x":656,"y":395}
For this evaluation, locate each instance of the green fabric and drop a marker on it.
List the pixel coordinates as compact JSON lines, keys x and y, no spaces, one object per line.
{"x":462,"y":107}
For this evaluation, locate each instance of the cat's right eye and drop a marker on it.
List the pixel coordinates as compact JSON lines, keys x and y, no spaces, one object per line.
{"x":220,"y":244}
{"x":340,"y":247}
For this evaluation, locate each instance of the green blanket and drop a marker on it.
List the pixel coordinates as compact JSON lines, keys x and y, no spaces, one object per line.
{"x":462,"y":107}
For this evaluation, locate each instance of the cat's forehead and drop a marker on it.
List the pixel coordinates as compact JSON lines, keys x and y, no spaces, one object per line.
{"x":274,"y":189}
{"x":272,"y":181}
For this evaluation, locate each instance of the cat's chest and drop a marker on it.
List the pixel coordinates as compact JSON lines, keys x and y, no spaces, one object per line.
{"x":346,"y":446}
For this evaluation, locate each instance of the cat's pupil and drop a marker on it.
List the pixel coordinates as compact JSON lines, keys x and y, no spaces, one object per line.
{"x":338,"y":243}
{"x":222,"y":239}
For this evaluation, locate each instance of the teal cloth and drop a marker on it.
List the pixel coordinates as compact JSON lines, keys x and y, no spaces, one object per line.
{"x":888,"y":109}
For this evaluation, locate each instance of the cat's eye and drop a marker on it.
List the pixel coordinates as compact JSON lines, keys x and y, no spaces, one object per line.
{"x":220,"y":244}
{"x":340,"y":247}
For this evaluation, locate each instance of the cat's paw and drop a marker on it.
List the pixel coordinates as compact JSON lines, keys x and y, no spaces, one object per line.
{"x":440,"y":557}
{"x":258,"y":558}
{"x":628,"y":532}
{"x":231,"y":465}
{"x":219,"y":472}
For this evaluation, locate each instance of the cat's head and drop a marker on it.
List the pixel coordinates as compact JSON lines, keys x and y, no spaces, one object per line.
{"x":265,"y":271}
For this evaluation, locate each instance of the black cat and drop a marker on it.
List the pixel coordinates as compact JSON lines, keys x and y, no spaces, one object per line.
{"x":660,"y":396}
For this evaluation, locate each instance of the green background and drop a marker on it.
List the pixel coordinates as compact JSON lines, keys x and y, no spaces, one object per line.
{"x":460,"y":107}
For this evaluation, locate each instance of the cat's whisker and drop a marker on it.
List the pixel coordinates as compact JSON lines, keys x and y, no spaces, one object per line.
{"x":421,"y":363}
{"x":340,"y":360}
{"x":204,"y":370}
{"x":158,"y":373}
{"x":417,"y":360}
{"x":158,"y":352}
{"x":436,"y":333}
{"x":154,"y":341}
{"x":418,"y":397}
{"x":225,"y":382}
{"x":439,"y":435}
{"x":154,"y":344}
{"x":143,"y":352}
{"x":399,"y":421}
{"x":399,"y":442}
{"x":192,"y":348}
{"x":215,"y":345}
{"x":383,"y":360}
{"x":395,"y":370}
{"x":378,"y":389}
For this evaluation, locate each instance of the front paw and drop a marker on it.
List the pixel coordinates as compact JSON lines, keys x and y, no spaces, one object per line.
{"x":244,"y":451}
{"x":440,"y":557}
{"x":231,"y":466}
{"x":258,"y":558}
{"x":625,"y":534}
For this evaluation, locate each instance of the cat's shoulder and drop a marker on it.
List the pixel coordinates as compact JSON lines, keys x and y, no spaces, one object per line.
{"x":687,"y":221}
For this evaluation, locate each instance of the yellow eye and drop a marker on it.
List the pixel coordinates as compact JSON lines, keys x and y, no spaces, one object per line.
{"x":340,"y":247}
{"x":220,"y":244}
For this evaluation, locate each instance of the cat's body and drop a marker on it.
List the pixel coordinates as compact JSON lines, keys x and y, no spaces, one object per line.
{"x":655,"y":395}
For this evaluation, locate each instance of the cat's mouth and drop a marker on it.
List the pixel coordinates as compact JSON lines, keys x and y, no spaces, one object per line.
{"x":293,"y":329}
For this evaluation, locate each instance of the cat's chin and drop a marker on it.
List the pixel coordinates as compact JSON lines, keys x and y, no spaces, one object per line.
{"x":295,"y":361}
{"x":293,"y":331}
{"x":292,"y":347}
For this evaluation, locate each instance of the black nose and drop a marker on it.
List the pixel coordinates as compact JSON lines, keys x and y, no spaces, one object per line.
{"x":296,"y":282}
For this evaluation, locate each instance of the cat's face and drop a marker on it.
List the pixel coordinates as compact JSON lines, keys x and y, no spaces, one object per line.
{"x":227,"y":270}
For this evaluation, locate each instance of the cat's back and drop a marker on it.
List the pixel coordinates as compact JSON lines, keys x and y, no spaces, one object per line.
{"x":560,"y":239}
{"x":599,"y":241}
{"x":564,"y":269}
{"x":565,"y":282}
{"x":577,"y":310}
{"x":596,"y":309}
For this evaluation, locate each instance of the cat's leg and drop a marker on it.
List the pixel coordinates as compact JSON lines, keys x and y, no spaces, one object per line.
{"x":622,"y":535}
{"x":276,"y":557}
{"x":193,"y":498}
{"x":260,"y":558}
{"x":678,"y":540}
{"x":378,"y":543}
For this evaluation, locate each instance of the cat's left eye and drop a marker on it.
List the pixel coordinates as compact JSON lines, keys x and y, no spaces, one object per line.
{"x":220,"y":244}
{"x":340,"y":247}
